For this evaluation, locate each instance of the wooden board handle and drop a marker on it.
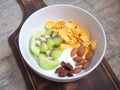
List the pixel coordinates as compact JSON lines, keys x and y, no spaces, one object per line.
{"x":30,"y":6}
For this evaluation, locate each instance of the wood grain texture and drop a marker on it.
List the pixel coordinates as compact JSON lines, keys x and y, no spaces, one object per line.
{"x":107,"y":11}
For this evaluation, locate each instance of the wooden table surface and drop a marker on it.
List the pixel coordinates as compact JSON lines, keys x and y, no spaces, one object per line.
{"x":106,"y":11}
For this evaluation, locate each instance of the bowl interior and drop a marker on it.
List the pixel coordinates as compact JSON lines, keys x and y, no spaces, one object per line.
{"x":65,"y":12}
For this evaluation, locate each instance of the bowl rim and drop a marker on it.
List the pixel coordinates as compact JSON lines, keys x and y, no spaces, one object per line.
{"x":74,"y":77}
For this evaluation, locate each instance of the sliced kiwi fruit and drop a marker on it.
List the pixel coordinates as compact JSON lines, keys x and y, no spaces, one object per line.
{"x":46,"y":63}
{"x":55,"y":53}
{"x":49,"y":32}
{"x":45,"y":45}
{"x":50,"y":43}
{"x":35,"y":43}
{"x":57,"y":40}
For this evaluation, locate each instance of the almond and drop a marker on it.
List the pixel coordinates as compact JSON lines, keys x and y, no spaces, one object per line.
{"x":77,"y":70}
{"x":77,"y":59}
{"x":80,"y":50}
{"x":73,"y":52}
{"x":86,"y":64}
{"x":80,"y":62}
{"x":89,"y":55}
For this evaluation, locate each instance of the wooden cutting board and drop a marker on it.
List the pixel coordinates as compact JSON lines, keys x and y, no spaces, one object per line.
{"x":102,"y":78}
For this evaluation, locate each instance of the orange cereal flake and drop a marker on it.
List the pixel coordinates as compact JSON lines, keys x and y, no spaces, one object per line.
{"x":72,"y":34}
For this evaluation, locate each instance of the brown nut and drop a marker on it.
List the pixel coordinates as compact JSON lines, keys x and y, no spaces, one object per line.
{"x":80,"y":50}
{"x":89,"y":55}
{"x":86,"y":64}
{"x":63,"y":73}
{"x":59,"y":69}
{"x":73,"y":52}
{"x":77,"y":70}
{"x":80,"y":62}
{"x":68,"y":67}
{"x":77,"y":58}
{"x":70,"y":74}
{"x":63,"y":64}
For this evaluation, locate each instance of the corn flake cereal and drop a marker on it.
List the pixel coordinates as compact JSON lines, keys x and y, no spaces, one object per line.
{"x":72,"y":34}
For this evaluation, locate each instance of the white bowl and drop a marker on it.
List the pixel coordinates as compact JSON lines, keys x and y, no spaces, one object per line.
{"x":65,"y":12}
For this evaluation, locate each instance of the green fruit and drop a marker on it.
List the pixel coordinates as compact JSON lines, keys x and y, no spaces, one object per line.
{"x":43,"y":47}
{"x":57,"y":40}
{"x":54,"y":34}
{"x":49,"y":32}
{"x":48,"y":52}
{"x":56,"y":53}
{"x":33,"y":47}
{"x":50,"y":43}
{"x":35,"y":43}
{"x":47,"y":64}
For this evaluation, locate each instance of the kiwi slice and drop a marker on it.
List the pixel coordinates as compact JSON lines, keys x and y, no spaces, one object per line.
{"x":56,"y":53}
{"x":49,"y":32}
{"x":35,"y":43}
{"x":57,"y":40}
{"x":46,"y":63}
{"x":43,"y":47}
{"x":50,"y":43}
{"x":54,"y":34}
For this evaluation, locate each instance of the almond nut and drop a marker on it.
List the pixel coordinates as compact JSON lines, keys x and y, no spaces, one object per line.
{"x":77,"y":70}
{"x":80,"y":62}
{"x":73,"y":52}
{"x":89,"y":55}
{"x":77,"y":59}
{"x":80,"y":50}
{"x":86,"y":64}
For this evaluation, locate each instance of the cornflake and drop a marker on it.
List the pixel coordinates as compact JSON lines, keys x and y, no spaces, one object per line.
{"x":72,"y":34}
